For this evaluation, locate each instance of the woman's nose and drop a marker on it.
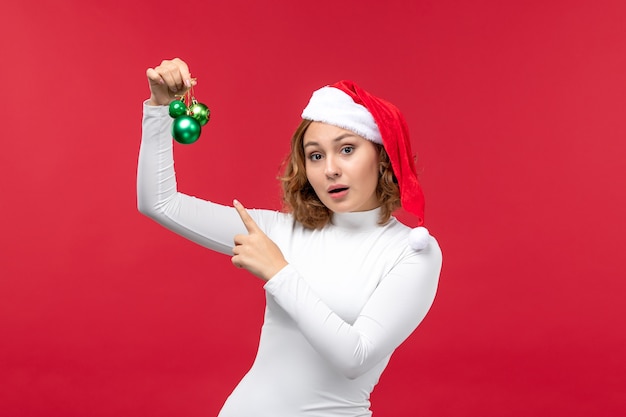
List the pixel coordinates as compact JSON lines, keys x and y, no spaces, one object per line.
{"x":332,"y":169}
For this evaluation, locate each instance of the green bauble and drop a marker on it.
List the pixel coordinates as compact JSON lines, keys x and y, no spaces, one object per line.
{"x":186,"y":129}
{"x":200,"y":112}
{"x":177,"y":108}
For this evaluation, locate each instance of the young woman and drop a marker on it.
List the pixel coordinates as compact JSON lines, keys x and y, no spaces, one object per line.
{"x":345,"y":282}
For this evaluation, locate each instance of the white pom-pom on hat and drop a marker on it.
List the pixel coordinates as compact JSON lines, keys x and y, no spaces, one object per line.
{"x":418,"y":238}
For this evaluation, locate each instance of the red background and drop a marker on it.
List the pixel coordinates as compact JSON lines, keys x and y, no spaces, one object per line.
{"x":517,"y":111}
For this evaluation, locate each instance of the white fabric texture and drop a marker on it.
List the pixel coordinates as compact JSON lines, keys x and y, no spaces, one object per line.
{"x":332,"y":106}
{"x":352,"y":292}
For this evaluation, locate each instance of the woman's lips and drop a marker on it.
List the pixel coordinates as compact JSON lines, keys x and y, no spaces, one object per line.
{"x":336,"y":192}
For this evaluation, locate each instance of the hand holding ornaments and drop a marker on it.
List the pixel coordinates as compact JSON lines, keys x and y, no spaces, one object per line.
{"x":171,"y":84}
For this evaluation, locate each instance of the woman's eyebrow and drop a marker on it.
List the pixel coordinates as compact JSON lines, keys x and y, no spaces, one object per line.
{"x":337,"y":139}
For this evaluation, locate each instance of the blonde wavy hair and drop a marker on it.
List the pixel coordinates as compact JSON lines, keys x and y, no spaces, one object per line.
{"x":300,"y":199}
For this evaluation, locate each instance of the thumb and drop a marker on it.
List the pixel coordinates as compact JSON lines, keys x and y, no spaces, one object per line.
{"x":248,"y":221}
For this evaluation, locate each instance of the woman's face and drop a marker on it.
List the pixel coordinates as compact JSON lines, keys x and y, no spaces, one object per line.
{"x":342,"y":168}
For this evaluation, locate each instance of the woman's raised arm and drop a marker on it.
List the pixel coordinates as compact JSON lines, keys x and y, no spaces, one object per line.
{"x":208,"y":224}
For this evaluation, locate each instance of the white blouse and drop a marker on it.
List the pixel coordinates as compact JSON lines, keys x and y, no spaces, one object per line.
{"x":352,"y":293}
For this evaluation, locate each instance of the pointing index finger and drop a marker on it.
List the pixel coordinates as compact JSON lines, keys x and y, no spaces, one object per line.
{"x":248,"y":221}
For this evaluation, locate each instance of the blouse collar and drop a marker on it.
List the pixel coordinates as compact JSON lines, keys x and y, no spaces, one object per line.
{"x":358,"y":220}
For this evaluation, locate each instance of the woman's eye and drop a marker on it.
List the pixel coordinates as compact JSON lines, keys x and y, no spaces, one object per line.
{"x":347,"y":149}
{"x":315,"y":157}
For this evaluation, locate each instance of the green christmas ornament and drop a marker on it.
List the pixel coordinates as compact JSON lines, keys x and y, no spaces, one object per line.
{"x":189,"y":117}
{"x":200,"y":112}
{"x":177,"y":108}
{"x":186,"y":129}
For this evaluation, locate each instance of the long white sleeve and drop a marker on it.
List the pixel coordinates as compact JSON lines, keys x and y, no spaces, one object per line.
{"x":394,"y":310}
{"x":208,"y":224}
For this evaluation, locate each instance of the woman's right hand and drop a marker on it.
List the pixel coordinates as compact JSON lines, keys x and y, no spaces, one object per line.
{"x":167,"y":81}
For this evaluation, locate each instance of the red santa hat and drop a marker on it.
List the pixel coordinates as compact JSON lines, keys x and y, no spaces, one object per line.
{"x":346,"y":105}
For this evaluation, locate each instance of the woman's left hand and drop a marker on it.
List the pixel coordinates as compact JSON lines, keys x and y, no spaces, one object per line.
{"x":255,"y":251}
